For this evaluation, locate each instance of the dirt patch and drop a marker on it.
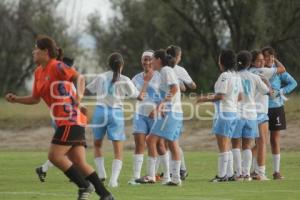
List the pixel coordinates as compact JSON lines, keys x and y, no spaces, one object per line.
{"x":193,"y":138}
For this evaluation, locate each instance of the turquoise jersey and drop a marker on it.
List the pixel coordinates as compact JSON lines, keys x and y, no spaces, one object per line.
{"x":282,"y":84}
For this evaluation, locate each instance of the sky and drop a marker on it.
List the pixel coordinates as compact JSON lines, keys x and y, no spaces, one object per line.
{"x":76,"y":13}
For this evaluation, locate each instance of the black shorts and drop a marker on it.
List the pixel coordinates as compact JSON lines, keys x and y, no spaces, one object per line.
{"x":277,"y":119}
{"x":70,"y":136}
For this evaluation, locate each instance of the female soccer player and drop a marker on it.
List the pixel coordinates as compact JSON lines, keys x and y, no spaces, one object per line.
{"x":227,"y":92}
{"x":282,"y":84}
{"x":247,"y":128}
{"x":184,"y":79}
{"x":112,"y":88}
{"x":142,"y":123}
{"x":167,"y":120}
{"x":262,"y":104}
{"x":53,"y":82}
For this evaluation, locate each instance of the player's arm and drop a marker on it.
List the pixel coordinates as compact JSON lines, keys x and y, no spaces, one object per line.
{"x":192,"y":85}
{"x":210,"y":98}
{"x":27,"y":100}
{"x":79,"y":82}
{"x":280,"y":67}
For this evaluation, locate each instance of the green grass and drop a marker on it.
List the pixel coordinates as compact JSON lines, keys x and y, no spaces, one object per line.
{"x":18,"y":181}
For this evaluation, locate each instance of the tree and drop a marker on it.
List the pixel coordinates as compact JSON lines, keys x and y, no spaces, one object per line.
{"x":21,"y":22}
{"x":202,"y":28}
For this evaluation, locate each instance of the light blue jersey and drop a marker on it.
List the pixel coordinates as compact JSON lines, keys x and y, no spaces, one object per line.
{"x":142,"y":123}
{"x":279,"y":80}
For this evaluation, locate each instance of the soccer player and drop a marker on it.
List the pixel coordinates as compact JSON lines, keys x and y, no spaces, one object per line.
{"x":42,"y":170}
{"x":167,"y":120}
{"x":142,"y":123}
{"x":111,"y":88}
{"x":282,"y":84}
{"x":227,"y":92}
{"x":184,"y":79}
{"x":53,"y":82}
{"x":262,"y":104}
{"x":247,"y":128}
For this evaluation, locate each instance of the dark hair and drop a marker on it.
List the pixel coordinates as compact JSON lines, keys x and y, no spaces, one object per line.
{"x":172,"y":51}
{"x":115,"y":62}
{"x":162,"y":55}
{"x":45,"y":42}
{"x":244,"y":59}
{"x":268,"y":49}
{"x":68,"y":61}
{"x":228,"y":59}
{"x":255,"y":53}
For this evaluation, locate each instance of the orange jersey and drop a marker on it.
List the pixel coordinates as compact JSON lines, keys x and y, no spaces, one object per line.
{"x":54,"y":85}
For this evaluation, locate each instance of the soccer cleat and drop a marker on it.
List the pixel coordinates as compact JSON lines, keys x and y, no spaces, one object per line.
{"x":41,"y":174}
{"x":247,"y":178}
{"x":253,"y":174}
{"x":260,"y":178}
{"x":133,"y":182}
{"x":145,"y":180}
{"x":170,"y":183}
{"x":218,"y":179}
{"x":109,"y":197}
{"x":277,"y":176}
{"x":158,"y":177}
{"x":232,"y":178}
{"x":84,"y":193}
{"x":239,"y":178}
{"x":183,"y":174}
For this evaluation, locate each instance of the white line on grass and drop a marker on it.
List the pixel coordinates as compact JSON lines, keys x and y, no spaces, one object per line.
{"x":35,"y":193}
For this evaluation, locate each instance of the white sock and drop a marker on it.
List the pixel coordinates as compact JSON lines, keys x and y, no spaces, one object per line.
{"x":157,"y":164}
{"x":99,"y":161}
{"x":246,"y":163}
{"x":175,"y":171}
{"x":170,"y":158}
{"x":261,"y":170}
{"x":222,"y":164}
{"x":254,"y":164}
{"x":182,"y":165}
{"x":164,"y":160}
{"x":137,"y":165}
{"x":46,"y":166}
{"x":115,"y":172}
{"x":276,"y":162}
{"x":230,"y":165}
{"x":151,"y":167}
{"x":237,"y":161}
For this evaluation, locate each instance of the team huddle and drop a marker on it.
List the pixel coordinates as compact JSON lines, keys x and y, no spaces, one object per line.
{"x":248,"y":97}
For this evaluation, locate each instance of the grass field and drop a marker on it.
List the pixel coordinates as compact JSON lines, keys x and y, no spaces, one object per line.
{"x":18,"y":181}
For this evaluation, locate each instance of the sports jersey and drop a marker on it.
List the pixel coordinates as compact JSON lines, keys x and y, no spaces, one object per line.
{"x":168,"y":78}
{"x":182,"y":75}
{"x":252,"y":84}
{"x":111,"y":94}
{"x":282,"y":84}
{"x":53,"y":83}
{"x":228,"y":84}
{"x":152,"y":97}
{"x":262,"y":100}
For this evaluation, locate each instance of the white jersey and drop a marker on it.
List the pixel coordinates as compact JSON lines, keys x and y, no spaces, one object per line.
{"x":262,"y":101}
{"x":152,"y":97}
{"x":228,"y":84}
{"x":168,"y":78}
{"x":111,"y":94}
{"x":252,"y":84}
{"x":182,"y":75}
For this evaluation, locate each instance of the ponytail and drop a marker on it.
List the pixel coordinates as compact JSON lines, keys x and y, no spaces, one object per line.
{"x":60,"y":54}
{"x":116,"y":62}
{"x":243,"y":60}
